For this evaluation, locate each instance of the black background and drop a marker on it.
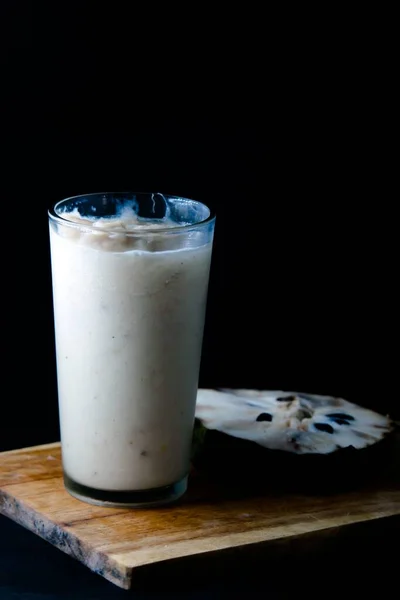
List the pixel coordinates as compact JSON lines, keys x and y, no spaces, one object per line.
{"x":291,"y":154}
{"x":287,"y":128}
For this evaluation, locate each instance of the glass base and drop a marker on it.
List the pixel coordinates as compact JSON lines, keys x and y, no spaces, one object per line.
{"x":126,"y":499}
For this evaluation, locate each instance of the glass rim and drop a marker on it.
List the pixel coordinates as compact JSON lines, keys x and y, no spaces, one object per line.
{"x":57,"y":218}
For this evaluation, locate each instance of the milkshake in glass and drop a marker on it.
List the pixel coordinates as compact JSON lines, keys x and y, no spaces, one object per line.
{"x":130,"y":275}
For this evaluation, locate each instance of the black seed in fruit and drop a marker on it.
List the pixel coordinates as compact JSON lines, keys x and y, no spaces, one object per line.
{"x":264,"y":417}
{"x":324,"y":427}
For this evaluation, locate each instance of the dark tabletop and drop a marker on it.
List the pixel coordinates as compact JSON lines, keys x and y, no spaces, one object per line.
{"x":357,"y":560}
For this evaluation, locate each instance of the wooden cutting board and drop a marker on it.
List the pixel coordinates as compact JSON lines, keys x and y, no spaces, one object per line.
{"x":113,"y":542}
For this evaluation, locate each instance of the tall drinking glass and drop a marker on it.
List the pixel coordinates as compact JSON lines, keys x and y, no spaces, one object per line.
{"x":130,"y":274}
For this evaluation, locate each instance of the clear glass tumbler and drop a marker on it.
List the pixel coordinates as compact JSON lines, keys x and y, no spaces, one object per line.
{"x":130,"y":274}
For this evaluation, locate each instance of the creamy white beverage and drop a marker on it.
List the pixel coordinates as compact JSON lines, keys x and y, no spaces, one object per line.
{"x":129,"y":315}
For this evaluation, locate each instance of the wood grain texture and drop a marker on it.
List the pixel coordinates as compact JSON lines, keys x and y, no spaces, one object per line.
{"x":113,"y":542}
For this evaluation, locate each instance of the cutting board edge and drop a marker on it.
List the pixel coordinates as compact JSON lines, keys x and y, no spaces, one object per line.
{"x":24,"y":449}
{"x":64,"y":540}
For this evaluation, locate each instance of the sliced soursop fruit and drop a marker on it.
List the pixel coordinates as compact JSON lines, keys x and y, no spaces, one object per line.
{"x":278,"y":441}
{"x":291,"y":421}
